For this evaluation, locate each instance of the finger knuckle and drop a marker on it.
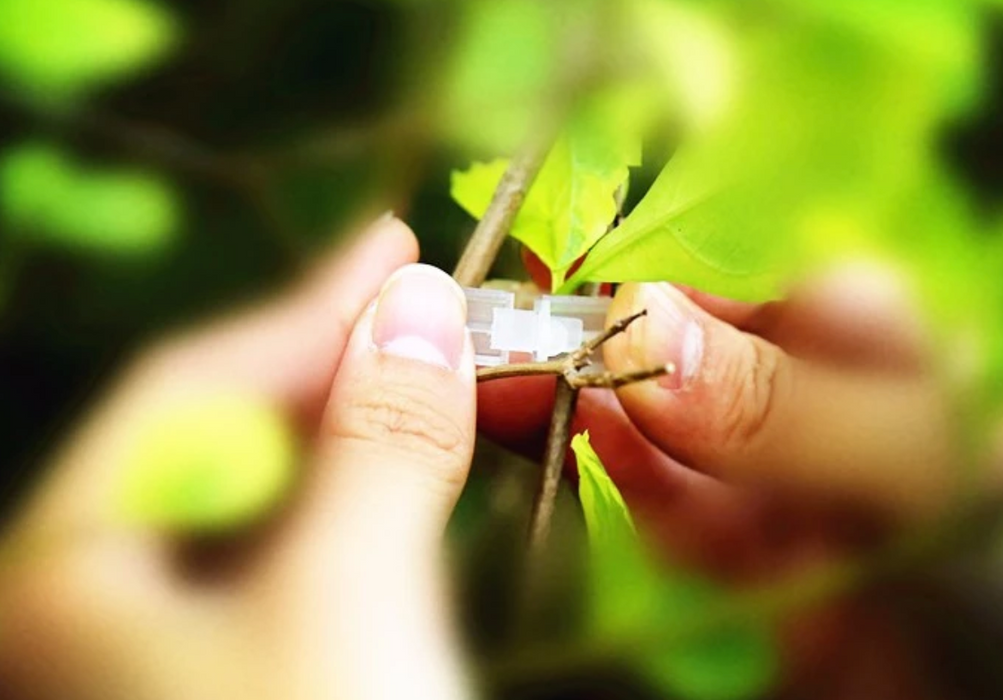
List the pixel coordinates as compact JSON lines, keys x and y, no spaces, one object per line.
{"x":411,"y":418}
{"x":752,"y":381}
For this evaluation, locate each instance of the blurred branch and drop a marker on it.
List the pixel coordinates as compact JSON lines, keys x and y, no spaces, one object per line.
{"x":166,"y":148}
{"x":157,"y":144}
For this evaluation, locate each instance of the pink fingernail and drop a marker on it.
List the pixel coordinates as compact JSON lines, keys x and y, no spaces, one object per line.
{"x":671,"y":334}
{"x":421,"y":315}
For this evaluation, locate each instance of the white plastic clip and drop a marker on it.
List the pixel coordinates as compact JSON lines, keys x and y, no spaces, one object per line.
{"x":555,"y":325}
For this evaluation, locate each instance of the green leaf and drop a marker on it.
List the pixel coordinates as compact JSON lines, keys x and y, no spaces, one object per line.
{"x":606,"y":516}
{"x":826,"y":120}
{"x":48,"y":200}
{"x":573,"y":200}
{"x":692,"y":227}
{"x":209,"y":463}
{"x":631,"y":594}
{"x":60,"y":48}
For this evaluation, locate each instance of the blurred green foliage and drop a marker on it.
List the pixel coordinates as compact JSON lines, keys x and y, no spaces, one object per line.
{"x":501,"y":70}
{"x":48,"y":200}
{"x":207,"y":464}
{"x":58,"y":49}
{"x":802,"y":134}
{"x":632,"y":594}
{"x":780,"y":136}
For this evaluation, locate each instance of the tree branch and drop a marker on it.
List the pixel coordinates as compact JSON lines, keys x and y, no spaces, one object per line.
{"x":558,"y":439}
{"x":522,"y":369}
{"x":581,"y":356}
{"x":568,"y":368}
{"x":494,"y":226}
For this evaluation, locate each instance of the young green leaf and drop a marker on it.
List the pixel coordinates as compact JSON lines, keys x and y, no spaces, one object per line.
{"x":631,"y":594}
{"x":573,"y":200}
{"x":210,"y":463}
{"x":692,"y":227}
{"x":61,"y":48}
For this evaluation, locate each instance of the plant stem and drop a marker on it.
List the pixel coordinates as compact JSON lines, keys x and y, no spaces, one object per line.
{"x":565,"y":398}
{"x":522,"y":369}
{"x":570,"y":381}
{"x":581,"y":355}
{"x":566,"y":367}
{"x":615,"y":380}
{"x":494,"y":226}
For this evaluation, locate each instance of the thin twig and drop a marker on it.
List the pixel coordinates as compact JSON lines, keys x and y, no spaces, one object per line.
{"x":522,"y":369}
{"x":561,"y":367}
{"x":558,"y":439}
{"x":571,"y":380}
{"x":494,"y":226}
{"x":569,"y":365}
{"x":580,"y":357}
{"x":615,"y":380}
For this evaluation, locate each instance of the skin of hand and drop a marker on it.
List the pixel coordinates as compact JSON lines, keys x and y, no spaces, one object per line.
{"x":344,"y":596}
{"x":792,"y":433}
{"x":786,"y":425}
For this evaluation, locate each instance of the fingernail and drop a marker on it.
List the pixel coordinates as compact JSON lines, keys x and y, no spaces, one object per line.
{"x":421,"y":315}
{"x":671,"y":333}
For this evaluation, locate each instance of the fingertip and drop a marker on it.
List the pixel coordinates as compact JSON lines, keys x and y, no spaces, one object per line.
{"x":383,"y":245}
{"x":671,"y":334}
{"x":397,"y":234}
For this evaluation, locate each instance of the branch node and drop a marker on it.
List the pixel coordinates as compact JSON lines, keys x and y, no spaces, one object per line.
{"x":581,"y":357}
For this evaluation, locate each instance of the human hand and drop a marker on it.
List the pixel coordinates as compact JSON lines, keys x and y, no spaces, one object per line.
{"x":793,"y":433}
{"x":343,"y":596}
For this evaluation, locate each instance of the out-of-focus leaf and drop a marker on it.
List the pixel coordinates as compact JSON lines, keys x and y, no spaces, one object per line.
{"x":573,"y":200}
{"x":32,"y":177}
{"x":825,"y":120}
{"x":58,"y":48}
{"x":941,"y":38}
{"x":207,"y":463}
{"x":129,"y":213}
{"x":503,"y":64}
{"x":48,"y":200}
{"x":630,"y":594}
{"x":693,"y":54}
{"x":624,"y":587}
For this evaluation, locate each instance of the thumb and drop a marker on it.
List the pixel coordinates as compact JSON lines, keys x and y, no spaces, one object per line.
{"x":399,"y":430}
{"x":744,"y":410}
{"x":362,"y":559}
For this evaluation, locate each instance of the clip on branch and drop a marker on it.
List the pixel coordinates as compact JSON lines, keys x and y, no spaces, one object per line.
{"x":570,"y":365}
{"x":571,"y":368}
